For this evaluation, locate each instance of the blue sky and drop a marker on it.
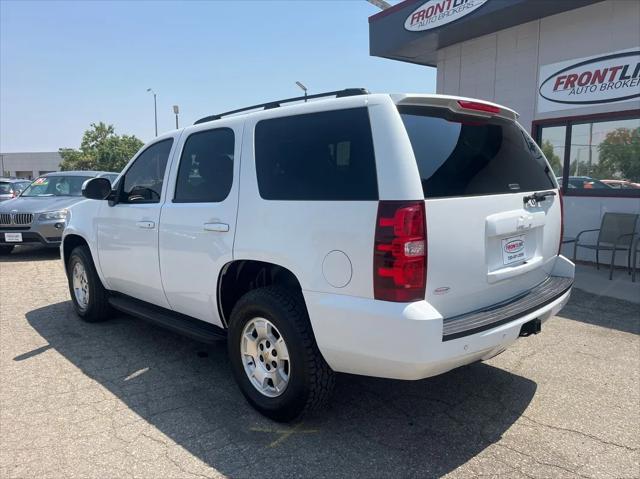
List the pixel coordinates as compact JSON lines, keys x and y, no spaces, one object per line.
{"x":64,"y":65}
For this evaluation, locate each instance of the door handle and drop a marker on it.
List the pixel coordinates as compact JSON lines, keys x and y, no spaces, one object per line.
{"x":147,"y":225}
{"x":221,"y":227}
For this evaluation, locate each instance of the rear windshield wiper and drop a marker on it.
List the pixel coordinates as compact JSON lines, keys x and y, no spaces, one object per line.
{"x":538,"y":196}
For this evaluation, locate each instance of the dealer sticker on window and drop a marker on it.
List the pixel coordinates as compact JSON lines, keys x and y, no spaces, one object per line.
{"x":513,"y":249}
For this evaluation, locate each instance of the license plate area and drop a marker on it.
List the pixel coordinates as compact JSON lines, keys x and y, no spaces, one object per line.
{"x":514,"y":249}
{"x":13,"y":237}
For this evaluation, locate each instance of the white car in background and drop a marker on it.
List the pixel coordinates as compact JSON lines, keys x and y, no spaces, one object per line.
{"x":397,"y":236}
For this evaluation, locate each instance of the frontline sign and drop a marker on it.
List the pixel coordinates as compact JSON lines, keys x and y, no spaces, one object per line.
{"x":590,"y":81}
{"x":436,"y":13}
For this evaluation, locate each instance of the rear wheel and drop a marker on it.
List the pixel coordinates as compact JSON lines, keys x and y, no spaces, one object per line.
{"x":4,"y":250}
{"x":274,"y":356}
{"x":89,"y":297}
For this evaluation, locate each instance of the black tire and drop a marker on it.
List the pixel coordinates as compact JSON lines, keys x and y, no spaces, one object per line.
{"x":98,"y":308}
{"x":5,"y":250}
{"x":311,"y":380}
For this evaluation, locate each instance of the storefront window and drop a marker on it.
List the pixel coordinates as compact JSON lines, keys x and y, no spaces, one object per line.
{"x":602,"y":158}
{"x":605,"y":155}
{"x":552,"y":145}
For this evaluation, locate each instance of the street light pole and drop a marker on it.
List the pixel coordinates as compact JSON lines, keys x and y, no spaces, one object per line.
{"x":176,"y":110}
{"x":155,"y":109}
{"x":303,"y":88}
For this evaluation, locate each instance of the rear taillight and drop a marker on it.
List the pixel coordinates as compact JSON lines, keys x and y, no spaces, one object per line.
{"x":400,"y":251}
{"x":478,"y":106}
{"x":561,"y":220}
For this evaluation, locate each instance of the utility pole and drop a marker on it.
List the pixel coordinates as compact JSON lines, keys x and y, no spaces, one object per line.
{"x":155,"y":109}
{"x":176,"y":111}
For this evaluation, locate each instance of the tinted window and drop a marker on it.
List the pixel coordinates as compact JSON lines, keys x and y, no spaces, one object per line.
{"x":143,"y":181}
{"x":5,"y":188}
{"x":319,"y":156}
{"x":462,"y":155}
{"x":206,"y":167}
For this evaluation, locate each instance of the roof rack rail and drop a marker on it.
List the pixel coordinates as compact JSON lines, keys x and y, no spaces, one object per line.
{"x":275,"y":104}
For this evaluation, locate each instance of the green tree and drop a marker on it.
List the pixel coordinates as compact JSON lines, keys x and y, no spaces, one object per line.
{"x":101,"y":149}
{"x":620,"y":153}
{"x":554,"y":160}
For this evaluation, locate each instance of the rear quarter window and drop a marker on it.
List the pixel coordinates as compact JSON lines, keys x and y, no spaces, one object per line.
{"x":317,"y":156}
{"x":463,"y":155}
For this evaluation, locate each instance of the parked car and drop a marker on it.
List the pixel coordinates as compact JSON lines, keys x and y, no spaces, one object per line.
{"x":586,"y":182}
{"x":12,"y":187}
{"x":397,"y":236}
{"x":621,"y":184}
{"x":39,"y":213}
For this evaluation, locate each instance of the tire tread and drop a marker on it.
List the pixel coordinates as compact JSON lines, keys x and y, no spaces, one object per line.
{"x":321,"y":376}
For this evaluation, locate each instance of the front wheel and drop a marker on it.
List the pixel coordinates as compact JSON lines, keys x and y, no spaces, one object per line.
{"x":274,"y":356}
{"x":90,"y":299}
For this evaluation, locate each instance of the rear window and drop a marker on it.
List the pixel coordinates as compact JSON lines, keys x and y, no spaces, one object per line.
{"x":461,"y":155}
{"x":318,"y":156}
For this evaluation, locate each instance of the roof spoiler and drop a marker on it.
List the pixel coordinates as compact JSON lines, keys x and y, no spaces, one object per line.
{"x":467,"y":106}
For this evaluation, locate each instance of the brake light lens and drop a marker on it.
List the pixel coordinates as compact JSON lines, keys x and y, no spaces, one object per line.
{"x":400,"y":251}
{"x":478,"y":106}
{"x":561,"y":220}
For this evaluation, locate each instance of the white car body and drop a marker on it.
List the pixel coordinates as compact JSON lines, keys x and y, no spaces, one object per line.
{"x":173,"y":254}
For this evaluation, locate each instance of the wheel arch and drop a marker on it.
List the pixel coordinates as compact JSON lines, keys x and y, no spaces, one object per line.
{"x":243,"y":275}
{"x":70,"y":242}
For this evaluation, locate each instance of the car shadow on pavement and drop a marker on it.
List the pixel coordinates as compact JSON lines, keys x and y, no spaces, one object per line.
{"x":30,"y":253}
{"x":602,"y":311}
{"x":373,"y":428}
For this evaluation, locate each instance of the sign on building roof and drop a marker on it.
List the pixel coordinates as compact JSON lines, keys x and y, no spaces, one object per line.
{"x":589,"y":81}
{"x":436,"y":13}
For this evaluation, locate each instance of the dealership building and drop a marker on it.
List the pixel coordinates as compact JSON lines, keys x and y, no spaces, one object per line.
{"x":570,"y":68}
{"x":29,"y":165}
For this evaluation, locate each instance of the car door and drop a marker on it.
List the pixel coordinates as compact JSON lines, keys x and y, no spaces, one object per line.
{"x":127,"y":229}
{"x":197,"y":223}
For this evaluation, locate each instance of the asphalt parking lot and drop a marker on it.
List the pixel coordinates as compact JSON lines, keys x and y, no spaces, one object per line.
{"x":126,"y":399}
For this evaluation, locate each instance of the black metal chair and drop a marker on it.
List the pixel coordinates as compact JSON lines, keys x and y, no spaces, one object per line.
{"x":616,"y":233}
{"x":634,"y":261}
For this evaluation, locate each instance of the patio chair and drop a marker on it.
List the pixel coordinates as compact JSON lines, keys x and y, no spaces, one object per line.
{"x":634,"y":261}
{"x":616,"y":233}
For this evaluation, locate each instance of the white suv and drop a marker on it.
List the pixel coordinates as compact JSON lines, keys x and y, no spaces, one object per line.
{"x":397,"y":236}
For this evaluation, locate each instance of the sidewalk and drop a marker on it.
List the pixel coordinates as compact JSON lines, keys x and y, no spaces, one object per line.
{"x":589,"y":279}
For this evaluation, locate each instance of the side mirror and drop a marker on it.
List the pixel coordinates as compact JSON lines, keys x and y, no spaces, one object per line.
{"x":96,"y":188}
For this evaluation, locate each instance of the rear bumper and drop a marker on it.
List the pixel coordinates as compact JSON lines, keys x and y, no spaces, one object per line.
{"x":408,"y":341}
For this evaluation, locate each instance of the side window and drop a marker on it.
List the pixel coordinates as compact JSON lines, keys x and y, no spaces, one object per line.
{"x":206,"y":167}
{"x":143,"y":180}
{"x":319,"y":156}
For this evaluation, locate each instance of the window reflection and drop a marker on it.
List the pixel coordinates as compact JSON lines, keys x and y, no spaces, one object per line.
{"x":605,"y":155}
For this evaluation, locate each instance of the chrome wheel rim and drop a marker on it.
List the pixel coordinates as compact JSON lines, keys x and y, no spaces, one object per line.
{"x":265,"y":357}
{"x":80,"y":285}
